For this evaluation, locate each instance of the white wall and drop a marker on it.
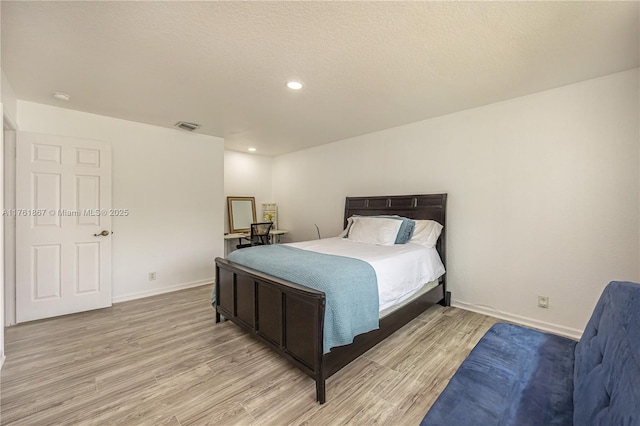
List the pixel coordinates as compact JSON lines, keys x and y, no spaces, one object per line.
{"x":543,"y":195}
{"x":172,"y":183}
{"x":247,"y":175}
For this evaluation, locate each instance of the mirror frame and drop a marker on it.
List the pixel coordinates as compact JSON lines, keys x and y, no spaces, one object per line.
{"x":230,"y":201}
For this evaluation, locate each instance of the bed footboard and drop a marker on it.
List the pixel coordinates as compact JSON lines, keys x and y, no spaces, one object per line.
{"x":288,"y":317}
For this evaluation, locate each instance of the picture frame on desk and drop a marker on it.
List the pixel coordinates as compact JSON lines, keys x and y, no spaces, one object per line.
{"x":270,"y":214}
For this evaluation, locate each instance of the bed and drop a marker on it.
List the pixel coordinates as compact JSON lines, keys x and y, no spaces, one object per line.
{"x":290,"y":318}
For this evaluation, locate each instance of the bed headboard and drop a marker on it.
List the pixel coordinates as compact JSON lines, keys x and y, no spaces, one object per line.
{"x":420,"y":207}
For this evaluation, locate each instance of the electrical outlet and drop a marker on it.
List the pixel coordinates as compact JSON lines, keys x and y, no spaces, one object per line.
{"x":152,"y":276}
{"x":543,"y":302}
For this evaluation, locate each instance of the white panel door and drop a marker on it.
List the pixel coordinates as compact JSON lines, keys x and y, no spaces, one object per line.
{"x":63,"y":200}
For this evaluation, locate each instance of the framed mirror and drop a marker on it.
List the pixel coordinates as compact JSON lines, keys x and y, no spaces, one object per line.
{"x":242,"y":213}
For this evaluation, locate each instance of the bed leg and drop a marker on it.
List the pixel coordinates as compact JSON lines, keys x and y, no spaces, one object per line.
{"x":217,"y":317}
{"x":320,"y":396}
{"x":446,"y":300}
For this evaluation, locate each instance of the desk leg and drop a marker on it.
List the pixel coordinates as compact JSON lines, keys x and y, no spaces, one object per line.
{"x":226,"y":246}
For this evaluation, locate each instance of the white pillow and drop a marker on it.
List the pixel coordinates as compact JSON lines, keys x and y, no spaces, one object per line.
{"x":426,"y":232}
{"x":346,"y":229}
{"x":374,"y":230}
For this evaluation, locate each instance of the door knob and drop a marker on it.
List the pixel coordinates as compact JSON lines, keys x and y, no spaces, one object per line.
{"x":102,"y":234}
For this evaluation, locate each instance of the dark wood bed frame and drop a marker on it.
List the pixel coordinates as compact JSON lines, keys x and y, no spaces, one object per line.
{"x":289,"y":318}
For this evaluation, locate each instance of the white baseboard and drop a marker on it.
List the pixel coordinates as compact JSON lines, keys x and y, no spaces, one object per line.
{"x":2,"y":359}
{"x":572,"y":333}
{"x":156,"y":291}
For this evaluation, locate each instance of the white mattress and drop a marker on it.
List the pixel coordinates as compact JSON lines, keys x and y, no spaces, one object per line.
{"x":402,"y":269}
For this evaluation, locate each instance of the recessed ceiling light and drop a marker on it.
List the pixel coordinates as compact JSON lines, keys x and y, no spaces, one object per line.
{"x":61,"y":96}
{"x":251,"y":150}
{"x":295,"y":85}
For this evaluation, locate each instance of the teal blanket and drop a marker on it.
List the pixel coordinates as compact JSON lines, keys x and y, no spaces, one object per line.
{"x":350,"y":286}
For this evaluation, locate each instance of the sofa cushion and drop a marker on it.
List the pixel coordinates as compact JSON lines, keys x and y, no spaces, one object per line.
{"x":607,"y":369}
{"x":514,"y":376}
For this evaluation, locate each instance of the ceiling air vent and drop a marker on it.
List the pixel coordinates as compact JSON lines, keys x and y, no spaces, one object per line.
{"x":184,"y":125}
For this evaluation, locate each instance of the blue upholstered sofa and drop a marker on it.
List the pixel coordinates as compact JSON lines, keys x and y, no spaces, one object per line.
{"x":519,"y":376}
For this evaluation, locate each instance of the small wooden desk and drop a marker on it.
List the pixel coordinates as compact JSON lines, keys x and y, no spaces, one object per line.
{"x":274,"y":235}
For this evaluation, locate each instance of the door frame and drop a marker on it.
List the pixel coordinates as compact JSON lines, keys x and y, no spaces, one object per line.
{"x":9,"y":190}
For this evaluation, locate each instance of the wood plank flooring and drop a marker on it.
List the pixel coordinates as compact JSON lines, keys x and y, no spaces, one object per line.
{"x":163,"y":361}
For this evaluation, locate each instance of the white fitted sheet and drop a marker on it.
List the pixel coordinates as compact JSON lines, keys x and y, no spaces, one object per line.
{"x":401,"y":269}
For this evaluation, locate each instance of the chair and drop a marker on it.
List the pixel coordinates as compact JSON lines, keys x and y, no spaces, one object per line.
{"x":259,"y":235}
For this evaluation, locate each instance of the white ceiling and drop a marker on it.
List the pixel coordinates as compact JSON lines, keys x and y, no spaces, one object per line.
{"x":366,"y":66}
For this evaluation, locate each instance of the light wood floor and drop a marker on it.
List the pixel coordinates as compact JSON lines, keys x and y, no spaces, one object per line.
{"x":163,"y":360}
